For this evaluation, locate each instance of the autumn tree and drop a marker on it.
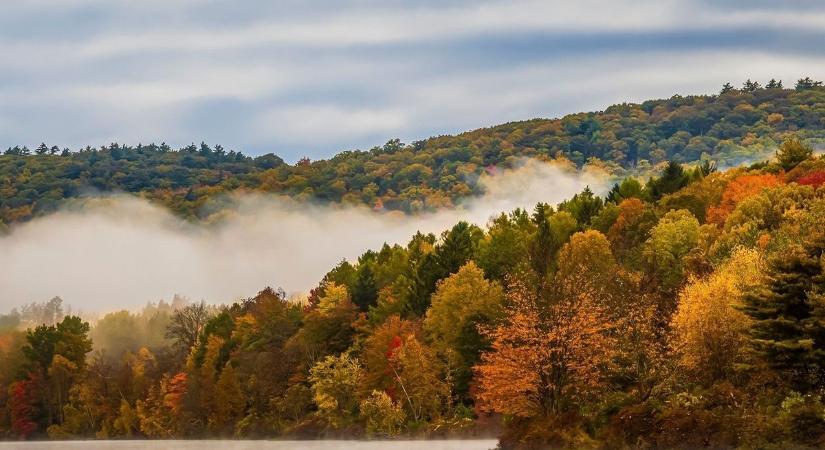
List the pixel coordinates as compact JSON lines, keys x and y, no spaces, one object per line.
{"x":709,"y":328}
{"x":335,"y":384}
{"x":461,"y":304}
{"x":548,"y":356}
{"x":382,"y":415}
{"x":737,"y":190}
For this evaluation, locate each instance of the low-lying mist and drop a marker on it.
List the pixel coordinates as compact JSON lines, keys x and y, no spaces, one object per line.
{"x":121,"y":252}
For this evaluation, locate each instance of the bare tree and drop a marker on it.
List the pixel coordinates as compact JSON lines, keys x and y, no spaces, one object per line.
{"x":187,"y":324}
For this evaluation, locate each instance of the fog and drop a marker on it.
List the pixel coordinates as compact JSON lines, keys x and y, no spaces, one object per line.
{"x":120,"y":252}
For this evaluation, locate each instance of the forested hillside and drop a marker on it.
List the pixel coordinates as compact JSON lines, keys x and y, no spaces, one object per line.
{"x":686,"y":312}
{"x":735,"y":126}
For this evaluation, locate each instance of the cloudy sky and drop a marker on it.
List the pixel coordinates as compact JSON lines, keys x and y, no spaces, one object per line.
{"x":311,"y":78}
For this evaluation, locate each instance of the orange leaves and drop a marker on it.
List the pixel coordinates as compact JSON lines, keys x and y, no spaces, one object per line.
{"x":547,"y":356}
{"x":738,"y":190}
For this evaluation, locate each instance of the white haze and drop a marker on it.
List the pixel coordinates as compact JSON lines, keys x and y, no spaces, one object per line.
{"x":122,"y":252}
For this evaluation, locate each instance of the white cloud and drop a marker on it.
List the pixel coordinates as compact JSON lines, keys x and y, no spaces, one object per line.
{"x":327,"y":123}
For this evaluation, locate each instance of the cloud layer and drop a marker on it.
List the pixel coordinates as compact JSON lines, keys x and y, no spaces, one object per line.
{"x":121,"y":252}
{"x":316,"y":77}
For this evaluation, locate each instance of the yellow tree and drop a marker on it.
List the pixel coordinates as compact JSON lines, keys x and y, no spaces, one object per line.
{"x":230,"y":401}
{"x":709,"y":329}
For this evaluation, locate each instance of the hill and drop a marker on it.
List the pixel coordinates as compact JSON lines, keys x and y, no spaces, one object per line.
{"x":730,"y":128}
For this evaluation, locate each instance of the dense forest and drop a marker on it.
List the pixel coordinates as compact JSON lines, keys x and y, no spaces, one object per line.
{"x":686,"y":311}
{"x":735,"y":126}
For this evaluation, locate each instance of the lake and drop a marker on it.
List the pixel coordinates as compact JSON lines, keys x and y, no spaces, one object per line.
{"x":473,"y":444}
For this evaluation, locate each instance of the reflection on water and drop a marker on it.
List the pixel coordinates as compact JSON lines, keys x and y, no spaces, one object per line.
{"x":480,"y":444}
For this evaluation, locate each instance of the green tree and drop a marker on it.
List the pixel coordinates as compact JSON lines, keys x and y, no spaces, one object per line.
{"x":365,"y":289}
{"x":788,"y":314}
{"x":461,"y":303}
{"x":792,"y":152}
{"x":672,"y":179}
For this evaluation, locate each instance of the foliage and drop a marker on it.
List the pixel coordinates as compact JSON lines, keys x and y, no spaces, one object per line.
{"x":731,"y":128}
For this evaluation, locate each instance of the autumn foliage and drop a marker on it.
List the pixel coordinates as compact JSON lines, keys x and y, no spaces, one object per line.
{"x":630,"y":321}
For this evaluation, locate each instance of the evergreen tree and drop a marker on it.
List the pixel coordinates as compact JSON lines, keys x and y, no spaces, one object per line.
{"x":365,"y":290}
{"x":750,"y":86}
{"x":806,"y":83}
{"x":673,"y":178}
{"x":788,"y":313}
{"x":457,"y":247}
{"x":542,"y":247}
{"x":792,"y":152}
{"x":727,"y":88}
{"x":583,"y":206}
{"x":773,"y":84}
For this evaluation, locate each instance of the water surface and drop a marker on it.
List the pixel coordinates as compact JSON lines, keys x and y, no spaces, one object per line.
{"x":475,"y":444}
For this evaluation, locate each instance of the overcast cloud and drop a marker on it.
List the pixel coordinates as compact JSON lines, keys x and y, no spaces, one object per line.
{"x":304,"y":78}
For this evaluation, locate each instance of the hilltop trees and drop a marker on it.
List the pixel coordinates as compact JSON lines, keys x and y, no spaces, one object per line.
{"x":737,"y":126}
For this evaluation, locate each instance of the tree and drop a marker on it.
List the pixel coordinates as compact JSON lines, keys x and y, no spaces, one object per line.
{"x":792,"y":152}
{"x":458,"y":246}
{"x":750,"y":86}
{"x":788,"y":330}
{"x":806,"y":83}
{"x":672,"y":179}
{"x":773,"y":84}
{"x":629,"y":188}
{"x":418,"y":377}
{"x":583,"y":206}
{"x":382,"y":415}
{"x":676,"y":234}
{"x":709,"y":327}
{"x":631,"y":228}
{"x":737,"y":190}
{"x":230,"y":402}
{"x":505,"y":245}
{"x":335,"y":381}
{"x":461,"y":303}
{"x":548,"y":356}
{"x":726,"y":89}
{"x":187,"y":324}
{"x":365,"y":290}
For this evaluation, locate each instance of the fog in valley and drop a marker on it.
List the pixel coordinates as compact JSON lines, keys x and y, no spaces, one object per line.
{"x":120,"y":252}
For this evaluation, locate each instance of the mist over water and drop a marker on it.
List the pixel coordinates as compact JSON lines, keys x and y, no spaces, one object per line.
{"x":121,"y":252}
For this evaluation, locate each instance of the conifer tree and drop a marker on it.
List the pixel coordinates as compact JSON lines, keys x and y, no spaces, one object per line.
{"x":788,"y":331}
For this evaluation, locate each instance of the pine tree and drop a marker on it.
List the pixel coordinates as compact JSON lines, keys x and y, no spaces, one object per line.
{"x":750,"y":86}
{"x":673,"y":178}
{"x":792,"y":152}
{"x":788,"y":331}
{"x":726,"y":89}
{"x":365,"y":290}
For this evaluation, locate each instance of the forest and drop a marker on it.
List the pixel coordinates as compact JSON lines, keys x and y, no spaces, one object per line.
{"x":682,"y":311}
{"x":734,"y":127}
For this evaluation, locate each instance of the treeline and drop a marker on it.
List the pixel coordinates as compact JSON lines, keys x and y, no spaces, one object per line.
{"x":735,"y":126}
{"x":685,"y":312}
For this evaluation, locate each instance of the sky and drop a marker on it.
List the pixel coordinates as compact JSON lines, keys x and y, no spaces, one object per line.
{"x":313,"y":78}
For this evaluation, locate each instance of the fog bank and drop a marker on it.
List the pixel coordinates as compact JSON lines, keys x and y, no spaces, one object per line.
{"x":122,"y":252}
